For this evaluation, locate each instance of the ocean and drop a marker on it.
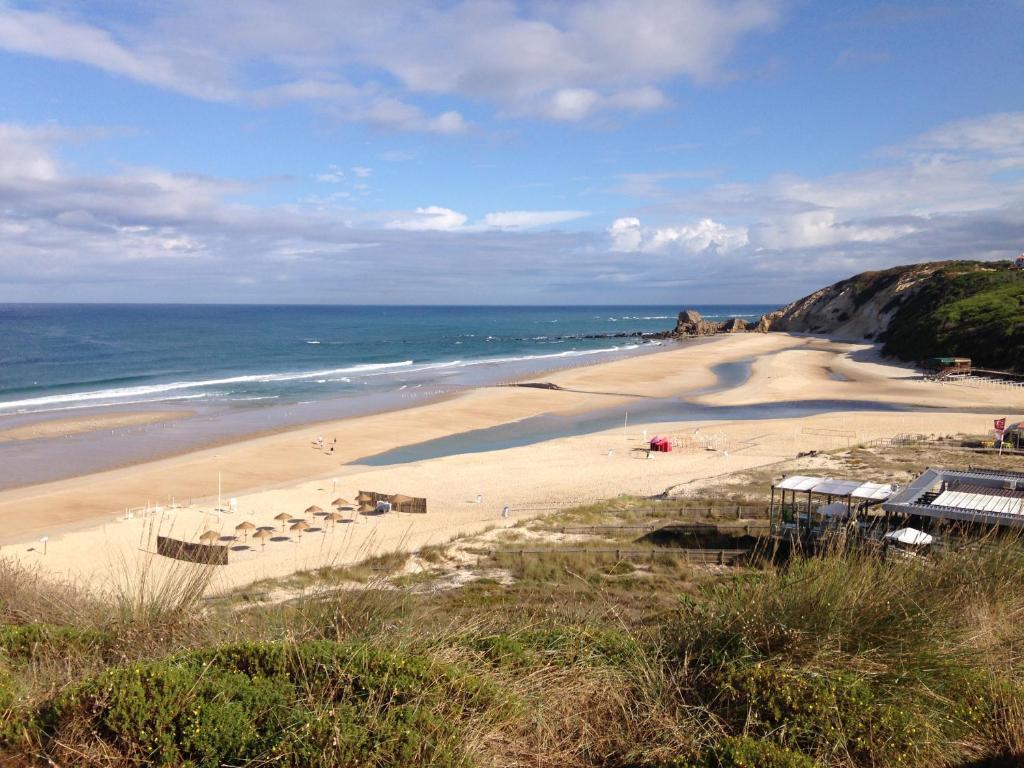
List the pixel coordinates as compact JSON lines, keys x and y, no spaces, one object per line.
{"x":232,"y":371}
{"x":64,"y":358}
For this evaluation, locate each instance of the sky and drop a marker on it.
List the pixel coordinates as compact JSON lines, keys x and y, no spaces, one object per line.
{"x":598,"y":152}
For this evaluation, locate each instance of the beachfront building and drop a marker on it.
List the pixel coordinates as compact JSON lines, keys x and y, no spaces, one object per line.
{"x":804,"y":507}
{"x":1013,"y":436}
{"x":944,"y":365}
{"x":972,"y":496}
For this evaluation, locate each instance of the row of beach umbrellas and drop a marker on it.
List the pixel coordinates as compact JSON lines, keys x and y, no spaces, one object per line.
{"x":365,"y":505}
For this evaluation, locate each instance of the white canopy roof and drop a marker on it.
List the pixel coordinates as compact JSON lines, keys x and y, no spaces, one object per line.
{"x":873,"y":491}
{"x":798,"y":483}
{"x":910,"y":536}
{"x":835,"y":487}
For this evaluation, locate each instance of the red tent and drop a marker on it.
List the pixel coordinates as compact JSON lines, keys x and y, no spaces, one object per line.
{"x":662,"y":444}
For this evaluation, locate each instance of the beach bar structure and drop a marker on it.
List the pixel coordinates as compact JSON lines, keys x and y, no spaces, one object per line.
{"x":944,"y":365}
{"x":797,"y":499}
{"x":979,"y":496}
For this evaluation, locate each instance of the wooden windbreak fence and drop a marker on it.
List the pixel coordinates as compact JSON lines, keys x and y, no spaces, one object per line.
{"x":417,"y":506}
{"x":205,"y":554}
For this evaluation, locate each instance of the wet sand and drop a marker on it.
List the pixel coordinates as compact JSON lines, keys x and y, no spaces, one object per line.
{"x":75,"y":425}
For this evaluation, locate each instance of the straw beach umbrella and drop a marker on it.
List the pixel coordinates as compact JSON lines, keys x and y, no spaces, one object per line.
{"x":245,"y":526}
{"x":314,"y":510}
{"x":366,"y":507}
{"x":363,"y":497}
{"x":282,"y":518}
{"x":263,"y":534}
{"x":209,"y":536}
{"x":340,"y":502}
{"x":300,"y":526}
{"x":335,"y":517}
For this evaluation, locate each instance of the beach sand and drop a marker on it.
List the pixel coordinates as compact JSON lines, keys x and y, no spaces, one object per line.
{"x":91,"y":543}
{"x":75,"y":425}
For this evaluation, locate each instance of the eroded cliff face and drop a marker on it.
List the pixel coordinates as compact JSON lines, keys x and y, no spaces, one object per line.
{"x":965,"y":308}
{"x":861,"y":307}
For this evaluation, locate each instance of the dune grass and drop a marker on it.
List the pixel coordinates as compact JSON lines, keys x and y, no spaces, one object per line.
{"x":839,"y":660}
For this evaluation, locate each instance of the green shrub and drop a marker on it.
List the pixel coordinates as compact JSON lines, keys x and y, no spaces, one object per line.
{"x":309,"y":704}
{"x":22,"y":643}
{"x":831,"y":714}
{"x":559,"y":646}
{"x":743,"y":752}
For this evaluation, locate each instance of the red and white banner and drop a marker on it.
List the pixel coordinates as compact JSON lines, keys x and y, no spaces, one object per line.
{"x":1000,"y":424}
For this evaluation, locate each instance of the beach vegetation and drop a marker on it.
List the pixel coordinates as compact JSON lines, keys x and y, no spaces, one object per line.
{"x":840,"y":660}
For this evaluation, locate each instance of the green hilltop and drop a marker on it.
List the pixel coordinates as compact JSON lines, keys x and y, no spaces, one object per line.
{"x":954,"y":308}
{"x":965,"y":308}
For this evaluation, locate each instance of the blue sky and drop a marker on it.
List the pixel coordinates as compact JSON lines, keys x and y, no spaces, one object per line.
{"x":612,"y":151}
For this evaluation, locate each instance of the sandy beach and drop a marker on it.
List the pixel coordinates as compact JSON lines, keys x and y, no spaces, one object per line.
{"x":90,"y":541}
{"x":75,"y":425}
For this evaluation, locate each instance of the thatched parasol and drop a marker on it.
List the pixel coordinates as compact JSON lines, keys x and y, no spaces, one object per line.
{"x":300,"y":526}
{"x":336,"y":517}
{"x":364,"y":497}
{"x":282,"y":517}
{"x":263,"y":534}
{"x":209,"y":536}
{"x":245,"y":526}
{"x":400,"y":498}
{"x":314,"y":510}
{"x":340,"y":502}
{"x":366,"y":507}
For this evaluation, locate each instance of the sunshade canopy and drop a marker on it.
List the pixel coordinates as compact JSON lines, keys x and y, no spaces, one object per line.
{"x":828,"y":486}
{"x":798,"y":483}
{"x":910,"y":536}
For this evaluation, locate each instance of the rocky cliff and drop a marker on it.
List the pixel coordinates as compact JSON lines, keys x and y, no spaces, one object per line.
{"x":965,"y":308}
{"x":860,"y":307}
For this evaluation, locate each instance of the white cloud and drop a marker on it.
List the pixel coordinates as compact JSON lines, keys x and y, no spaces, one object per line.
{"x":1000,"y":134}
{"x":571,"y":103}
{"x":51,"y":36}
{"x":639,"y":99}
{"x":362,"y":171}
{"x":820,"y":228}
{"x":389,"y":113}
{"x":512,"y":220}
{"x":627,"y":235}
{"x":431,"y":217}
{"x":562,"y":61}
{"x":333,"y":175}
{"x":24,"y":153}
